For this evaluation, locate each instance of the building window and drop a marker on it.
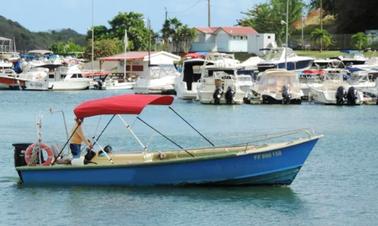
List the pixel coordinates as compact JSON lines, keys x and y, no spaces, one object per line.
{"x":268,"y":36}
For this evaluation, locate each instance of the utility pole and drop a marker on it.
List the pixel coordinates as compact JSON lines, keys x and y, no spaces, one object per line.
{"x":166,"y":13}
{"x":208,"y":14}
{"x":321,"y":25}
{"x":92,"y":35}
{"x":302,"y":32}
{"x":149,"y":42}
{"x":287,"y":32}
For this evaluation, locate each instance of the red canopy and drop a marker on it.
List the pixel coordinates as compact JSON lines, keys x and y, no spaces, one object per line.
{"x":123,"y":104}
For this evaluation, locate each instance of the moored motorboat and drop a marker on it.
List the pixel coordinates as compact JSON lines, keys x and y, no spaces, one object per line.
{"x":280,"y":58}
{"x":336,"y":91}
{"x":277,"y":86}
{"x":187,"y":83}
{"x":250,"y":163}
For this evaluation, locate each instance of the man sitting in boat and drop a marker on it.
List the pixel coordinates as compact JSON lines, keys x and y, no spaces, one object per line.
{"x":77,"y":138}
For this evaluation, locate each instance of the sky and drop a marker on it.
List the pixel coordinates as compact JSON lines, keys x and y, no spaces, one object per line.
{"x":44,"y":15}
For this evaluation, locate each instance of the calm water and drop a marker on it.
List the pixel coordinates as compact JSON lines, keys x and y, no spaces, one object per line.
{"x":338,"y":185}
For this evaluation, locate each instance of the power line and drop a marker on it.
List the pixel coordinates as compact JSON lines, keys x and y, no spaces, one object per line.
{"x":185,"y":10}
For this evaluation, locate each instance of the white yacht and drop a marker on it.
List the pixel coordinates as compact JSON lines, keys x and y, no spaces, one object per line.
{"x":335,"y":90}
{"x":157,"y":79}
{"x":187,"y":83}
{"x":68,"y":78}
{"x":220,"y":82}
{"x":310,"y":78}
{"x":275,"y":58}
{"x":277,"y":86}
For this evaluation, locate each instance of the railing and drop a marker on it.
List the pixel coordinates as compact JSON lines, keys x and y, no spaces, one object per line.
{"x":258,"y":140}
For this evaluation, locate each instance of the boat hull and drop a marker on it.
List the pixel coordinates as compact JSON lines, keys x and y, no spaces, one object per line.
{"x":266,"y":99}
{"x":277,"y":166}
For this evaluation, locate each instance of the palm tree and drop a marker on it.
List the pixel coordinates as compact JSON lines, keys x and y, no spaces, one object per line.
{"x":360,"y":40}
{"x":319,"y":35}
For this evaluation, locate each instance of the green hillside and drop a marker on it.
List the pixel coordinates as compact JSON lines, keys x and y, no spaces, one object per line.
{"x":27,"y":40}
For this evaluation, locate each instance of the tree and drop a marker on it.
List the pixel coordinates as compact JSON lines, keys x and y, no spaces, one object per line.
{"x":66,"y":48}
{"x":169,"y":29}
{"x":183,"y":38}
{"x":104,"y":47}
{"x":356,"y":16}
{"x":138,"y":34}
{"x":100,"y":32}
{"x":267,"y":17}
{"x":329,"y":6}
{"x":319,"y":35}
{"x":177,"y":37}
{"x":360,"y":40}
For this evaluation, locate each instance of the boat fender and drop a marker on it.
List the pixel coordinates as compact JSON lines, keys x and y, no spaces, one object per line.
{"x":351,"y":96}
{"x":229,"y":95}
{"x":286,"y":96}
{"x":44,"y":147}
{"x":217,"y":95}
{"x":340,"y":95}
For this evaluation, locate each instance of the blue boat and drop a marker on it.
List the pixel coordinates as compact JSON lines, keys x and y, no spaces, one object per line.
{"x":244,"y":164}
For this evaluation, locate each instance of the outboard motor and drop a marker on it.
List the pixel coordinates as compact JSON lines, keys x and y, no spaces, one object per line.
{"x":351,"y":96}
{"x":217,"y":95}
{"x":98,"y":84}
{"x":229,"y":95}
{"x":286,"y":96}
{"x":19,"y":154}
{"x":340,"y":95}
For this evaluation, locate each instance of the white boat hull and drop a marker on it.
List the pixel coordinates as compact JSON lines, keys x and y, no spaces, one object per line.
{"x":153,"y":86}
{"x":329,"y":96}
{"x":184,"y":93}
{"x":69,"y":85}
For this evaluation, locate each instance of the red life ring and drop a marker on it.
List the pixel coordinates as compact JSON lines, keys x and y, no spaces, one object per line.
{"x":47,"y":149}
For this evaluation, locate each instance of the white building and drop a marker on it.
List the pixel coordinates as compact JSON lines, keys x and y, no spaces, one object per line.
{"x":222,"y":39}
{"x":230,"y":39}
{"x":257,"y":42}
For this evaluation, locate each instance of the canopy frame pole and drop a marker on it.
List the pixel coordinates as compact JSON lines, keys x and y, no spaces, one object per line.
{"x":103,"y":130}
{"x":169,"y":139}
{"x":203,"y":136}
{"x":132,"y":133}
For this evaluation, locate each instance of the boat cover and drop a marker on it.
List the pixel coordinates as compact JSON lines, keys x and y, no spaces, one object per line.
{"x":122,"y":104}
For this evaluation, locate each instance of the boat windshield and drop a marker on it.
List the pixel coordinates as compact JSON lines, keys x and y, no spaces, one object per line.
{"x":218,"y":73}
{"x":273,"y":54}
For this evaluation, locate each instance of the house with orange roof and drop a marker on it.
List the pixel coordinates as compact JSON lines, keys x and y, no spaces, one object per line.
{"x":225,"y":39}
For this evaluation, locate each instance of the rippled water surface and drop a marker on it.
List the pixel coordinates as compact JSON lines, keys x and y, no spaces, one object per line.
{"x":338,"y":184}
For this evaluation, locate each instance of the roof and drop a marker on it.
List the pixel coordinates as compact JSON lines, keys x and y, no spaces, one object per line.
{"x":207,"y":30}
{"x":141,"y":55}
{"x":5,"y":39}
{"x":238,"y":30}
{"x":234,"y":30}
{"x":122,"y":104}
